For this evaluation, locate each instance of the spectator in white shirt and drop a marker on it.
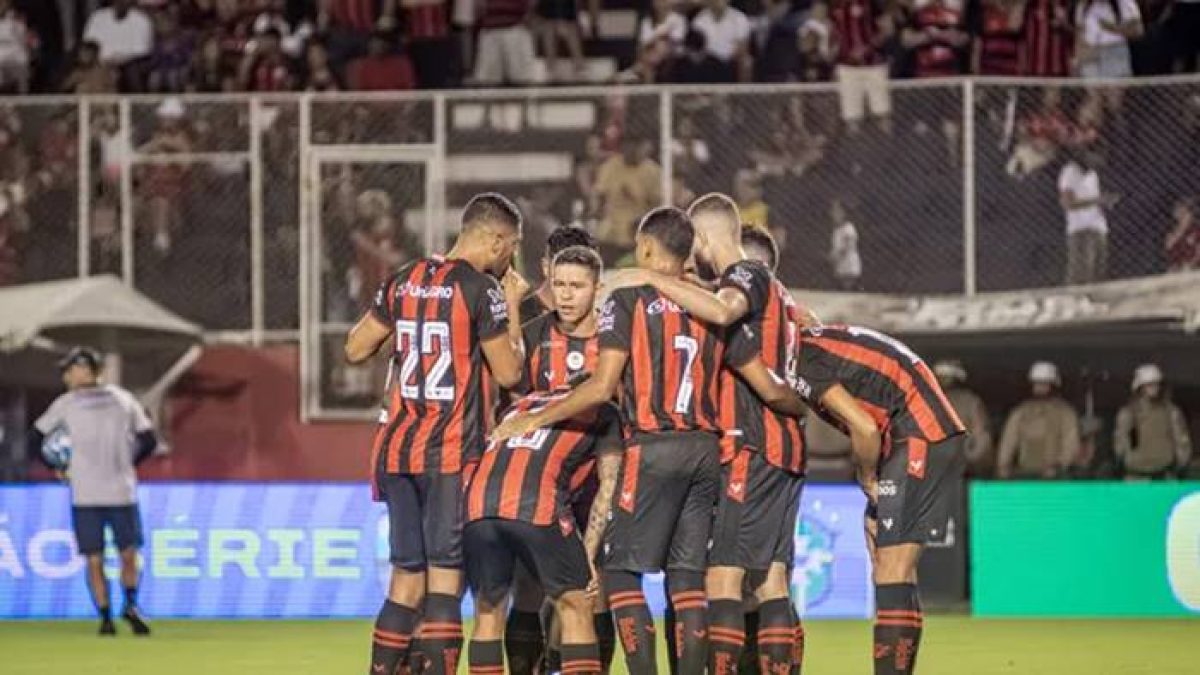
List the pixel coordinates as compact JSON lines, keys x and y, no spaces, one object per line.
{"x":1103,"y":31}
{"x":843,"y":249}
{"x":662,"y":24}
{"x":123,"y":32}
{"x":15,"y":43}
{"x":1087,"y":227}
{"x":727,"y":35}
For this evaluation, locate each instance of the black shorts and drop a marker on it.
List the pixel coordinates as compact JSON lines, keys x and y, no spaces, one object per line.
{"x":558,"y":10}
{"x":663,"y":508}
{"x":494,"y":546}
{"x":90,"y":521}
{"x":918,"y":485}
{"x":425,"y":517}
{"x":756,"y":514}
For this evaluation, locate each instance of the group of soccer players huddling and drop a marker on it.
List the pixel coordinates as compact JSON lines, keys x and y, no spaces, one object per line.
{"x":660,"y":432}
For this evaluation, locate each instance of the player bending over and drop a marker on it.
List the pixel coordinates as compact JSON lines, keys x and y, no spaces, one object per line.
{"x":449,"y":317}
{"x":518,"y":511}
{"x":665,"y":364}
{"x":909,"y":462}
{"x":762,"y":451}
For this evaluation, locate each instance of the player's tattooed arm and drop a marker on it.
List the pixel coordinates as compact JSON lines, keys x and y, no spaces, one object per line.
{"x":595,"y":391}
{"x":865,"y":438}
{"x":771,"y":390}
{"x":365,"y":338}
{"x":608,"y":467}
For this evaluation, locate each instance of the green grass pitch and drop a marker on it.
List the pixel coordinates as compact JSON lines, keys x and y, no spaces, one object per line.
{"x":952,"y":645}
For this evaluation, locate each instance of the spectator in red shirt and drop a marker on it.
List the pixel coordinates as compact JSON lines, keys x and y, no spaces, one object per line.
{"x":861,"y":67}
{"x":382,"y":69}
{"x":427,"y":36}
{"x":998,"y":48}
{"x":1183,"y":241}
{"x":267,"y":68}
{"x":936,"y":38}
{"x":348,"y":24}
{"x":1047,"y":38}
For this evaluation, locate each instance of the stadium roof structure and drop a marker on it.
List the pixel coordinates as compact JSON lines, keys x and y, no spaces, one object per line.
{"x":39,"y":319}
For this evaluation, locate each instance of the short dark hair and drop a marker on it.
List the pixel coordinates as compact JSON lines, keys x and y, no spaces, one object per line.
{"x":670,"y":227}
{"x":582,"y":256}
{"x":714,"y":202}
{"x":752,"y":235}
{"x":490,"y":207}
{"x":82,"y":356}
{"x":568,"y":236}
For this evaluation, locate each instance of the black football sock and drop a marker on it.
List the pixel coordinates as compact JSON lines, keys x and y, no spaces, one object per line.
{"x":634,"y":625}
{"x":581,"y":659}
{"x":748,"y":664}
{"x":691,"y":619}
{"x":898,"y":621}
{"x":131,"y":593}
{"x":523,"y":641}
{"x":105,"y":613}
{"x":606,"y":638}
{"x":776,"y":635}
{"x":392,"y":637}
{"x":486,"y":657}
{"x":441,"y":633}
{"x":726,"y":635}
{"x":798,"y":644}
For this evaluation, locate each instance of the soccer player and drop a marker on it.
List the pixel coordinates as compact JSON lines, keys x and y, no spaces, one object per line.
{"x":449,"y":318}
{"x":109,"y":435}
{"x":518,"y":510}
{"x":562,"y":237}
{"x":909,"y":462}
{"x":561,"y":345}
{"x":665,"y":363}
{"x":762,"y":450}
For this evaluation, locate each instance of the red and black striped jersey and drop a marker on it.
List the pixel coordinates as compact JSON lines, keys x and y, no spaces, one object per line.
{"x":531,"y":478}
{"x":1000,"y":42}
{"x":552,"y":356}
{"x":671,"y":381}
{"x":437,"y":409}
{"x":770,"y":331}
{"x":886,"y":378}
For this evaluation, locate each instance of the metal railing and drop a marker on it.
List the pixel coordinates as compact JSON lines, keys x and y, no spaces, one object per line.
{"x":274,"y":216}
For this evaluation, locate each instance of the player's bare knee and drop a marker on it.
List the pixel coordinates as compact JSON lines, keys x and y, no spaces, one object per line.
{"x":724,"y":583}
{"x":575,"y":614}
{"x":407,"y":587}
{"x":490,"y":617}
{"x":773,"y":585}
{"x":896,"y":564}
{"x":444,"y":581}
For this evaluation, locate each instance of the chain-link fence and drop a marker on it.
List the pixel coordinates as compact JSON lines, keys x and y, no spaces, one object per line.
{"x":277,"y":215}
{"x":1141,"y":144}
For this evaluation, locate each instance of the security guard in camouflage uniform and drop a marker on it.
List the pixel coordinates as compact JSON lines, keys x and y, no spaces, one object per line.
{"x":1041,"y":436}
{"x":1151,"y":436}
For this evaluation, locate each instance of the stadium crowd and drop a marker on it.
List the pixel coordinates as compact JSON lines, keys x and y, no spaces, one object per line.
{"x":130,"y":46}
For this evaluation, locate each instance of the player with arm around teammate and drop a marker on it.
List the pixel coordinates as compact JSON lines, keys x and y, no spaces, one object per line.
{"x":109,"y":434}
{"x":762,"y":450}
{"x":454,"y":329}
{"x":665,"y":364}
{"x":908,"y":446}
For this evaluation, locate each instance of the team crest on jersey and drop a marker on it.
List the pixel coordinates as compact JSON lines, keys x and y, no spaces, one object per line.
{"x":575,"y":360}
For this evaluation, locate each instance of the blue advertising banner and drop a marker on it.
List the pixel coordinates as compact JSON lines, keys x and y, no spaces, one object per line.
{"x":317,"y":550}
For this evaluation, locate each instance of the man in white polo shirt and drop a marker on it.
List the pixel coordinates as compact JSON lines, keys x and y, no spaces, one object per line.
{"x":123,"y":32}
{"x":727,"y":34}
{"x":1087,"y":227}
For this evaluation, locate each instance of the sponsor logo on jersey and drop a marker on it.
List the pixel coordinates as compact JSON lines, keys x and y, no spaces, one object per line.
{"x":662,"y":305}
{"x":425,"y":292}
